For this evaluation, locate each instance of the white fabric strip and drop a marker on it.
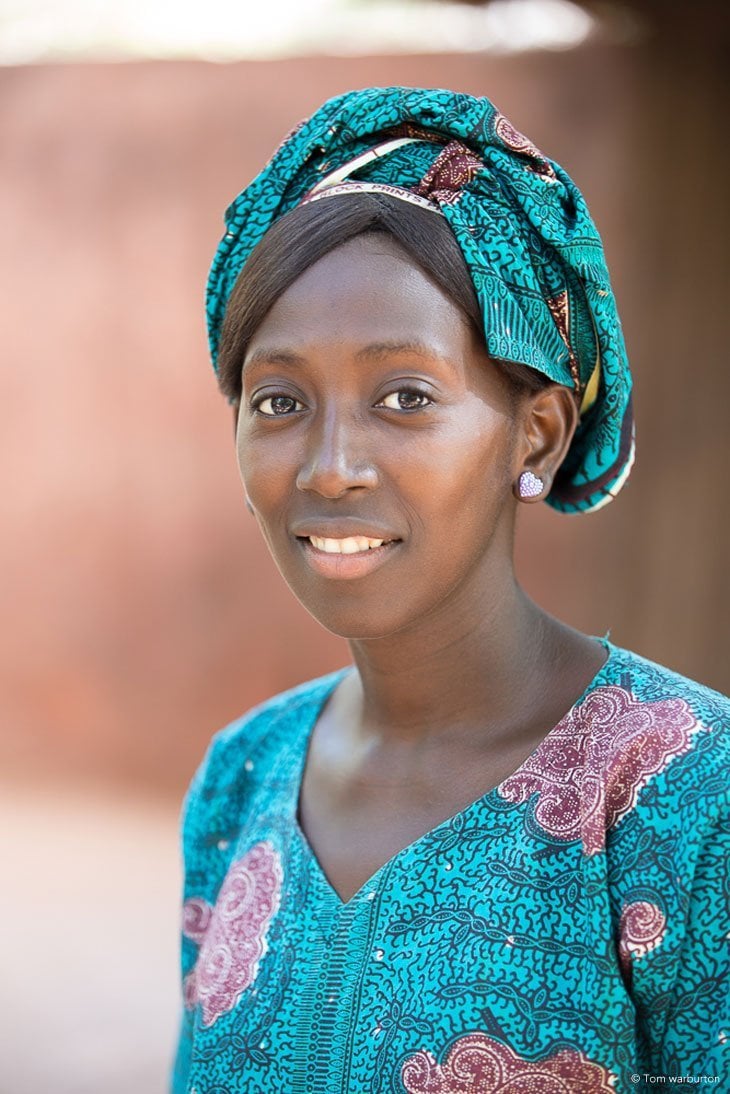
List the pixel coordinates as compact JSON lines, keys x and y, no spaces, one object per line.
{"x":341,"y":173}
{"x":373,"y":188}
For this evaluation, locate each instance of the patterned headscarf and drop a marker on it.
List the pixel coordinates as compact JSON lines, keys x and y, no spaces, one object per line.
{"x":533,"y":252}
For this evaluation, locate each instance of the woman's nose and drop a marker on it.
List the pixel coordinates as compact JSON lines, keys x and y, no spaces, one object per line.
{"x":338,"y":457}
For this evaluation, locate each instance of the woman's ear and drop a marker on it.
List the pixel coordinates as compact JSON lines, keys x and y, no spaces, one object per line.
{"x":549,"y":419}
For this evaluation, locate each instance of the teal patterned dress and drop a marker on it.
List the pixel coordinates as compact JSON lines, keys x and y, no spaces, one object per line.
{"x":566,"y":933}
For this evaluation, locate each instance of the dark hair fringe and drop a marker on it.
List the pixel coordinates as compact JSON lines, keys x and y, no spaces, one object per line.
{"x":309,"y":232}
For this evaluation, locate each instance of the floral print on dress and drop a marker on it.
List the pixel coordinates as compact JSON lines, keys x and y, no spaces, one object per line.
{"x":489,"y":929}
{"x":477,"y":1064}
{"x":589,"y":769}
{"x":196,"y":919}
{"x":232,"y":933}
{"x":642,"y":927}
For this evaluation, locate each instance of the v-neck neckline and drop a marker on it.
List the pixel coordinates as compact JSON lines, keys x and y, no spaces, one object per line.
{"x":370,"y":885}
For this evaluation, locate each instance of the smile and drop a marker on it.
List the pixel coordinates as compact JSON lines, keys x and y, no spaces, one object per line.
{"x":348,"y":546}
{"x":348,"y":557}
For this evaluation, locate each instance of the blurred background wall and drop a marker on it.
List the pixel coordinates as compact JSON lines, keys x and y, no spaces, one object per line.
{"x":140,"y":610}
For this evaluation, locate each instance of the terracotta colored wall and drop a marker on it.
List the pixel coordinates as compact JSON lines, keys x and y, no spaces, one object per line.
{"x":139,"y":610}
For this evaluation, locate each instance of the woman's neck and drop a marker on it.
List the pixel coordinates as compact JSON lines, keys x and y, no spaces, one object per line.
{"x":479,"y":664}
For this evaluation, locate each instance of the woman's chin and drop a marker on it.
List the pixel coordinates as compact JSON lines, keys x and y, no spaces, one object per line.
{"x":366,"y":608}
{"x":355,"y":627}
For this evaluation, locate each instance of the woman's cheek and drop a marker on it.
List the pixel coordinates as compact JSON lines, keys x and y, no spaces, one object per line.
{"x":264,"y":469}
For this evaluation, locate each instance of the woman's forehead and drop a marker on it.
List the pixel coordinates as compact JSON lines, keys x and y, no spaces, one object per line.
{"x":367,"y":291}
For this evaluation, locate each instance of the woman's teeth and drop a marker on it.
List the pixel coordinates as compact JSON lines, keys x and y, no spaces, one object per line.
{"x":347,"y":546}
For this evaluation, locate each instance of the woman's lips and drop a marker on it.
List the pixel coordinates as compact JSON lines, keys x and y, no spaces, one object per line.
{"x":347,"y":557}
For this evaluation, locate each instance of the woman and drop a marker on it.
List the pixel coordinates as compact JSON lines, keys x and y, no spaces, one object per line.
{"x":487,"y":856}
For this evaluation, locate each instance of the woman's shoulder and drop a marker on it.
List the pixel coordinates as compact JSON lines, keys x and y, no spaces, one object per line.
{"x":253,"y":740}
{"x":665,"y":731}
{"x":666,"y":699}
{"x":650,"y":682}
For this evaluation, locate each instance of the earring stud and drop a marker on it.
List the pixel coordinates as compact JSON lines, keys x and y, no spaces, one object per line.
{"x":530,"y":485}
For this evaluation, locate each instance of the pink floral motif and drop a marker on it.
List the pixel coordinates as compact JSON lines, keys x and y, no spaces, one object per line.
{"x":476,"y":1064}
{"x":589,"y":769}
{"x":518,"y":142}
{"x":196,"y":919}
{"x":232,"y":934}
{"x":642,"y":926}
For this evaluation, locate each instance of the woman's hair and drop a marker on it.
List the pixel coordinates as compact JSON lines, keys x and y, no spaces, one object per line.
{"x":301,"y":237}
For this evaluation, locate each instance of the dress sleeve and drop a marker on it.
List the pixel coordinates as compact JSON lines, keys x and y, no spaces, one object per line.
{"x":216,"y":806}
{"x":192,"y":826}
{"x":681,"y":984}
{"x":211,"y":817}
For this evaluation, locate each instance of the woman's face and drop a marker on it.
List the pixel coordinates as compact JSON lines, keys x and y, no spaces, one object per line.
{"x":378,"y":445}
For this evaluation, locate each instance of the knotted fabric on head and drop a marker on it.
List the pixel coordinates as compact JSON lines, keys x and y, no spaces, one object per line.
{"x":533,"y":252}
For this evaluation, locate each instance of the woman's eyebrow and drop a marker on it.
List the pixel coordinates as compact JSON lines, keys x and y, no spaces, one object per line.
{"x":274,"y":356}
{"x":378,"y":350}
{"x":374,"y":351}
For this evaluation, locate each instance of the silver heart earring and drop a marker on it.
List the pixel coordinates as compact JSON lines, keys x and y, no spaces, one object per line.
{"x":530,"y":485}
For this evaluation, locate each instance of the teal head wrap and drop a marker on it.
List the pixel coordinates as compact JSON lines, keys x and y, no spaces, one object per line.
{"x":533,"y":252}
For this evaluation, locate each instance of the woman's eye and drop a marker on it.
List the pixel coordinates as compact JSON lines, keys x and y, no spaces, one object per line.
{"x":405,"y":399}
{"x":278,"y":405}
